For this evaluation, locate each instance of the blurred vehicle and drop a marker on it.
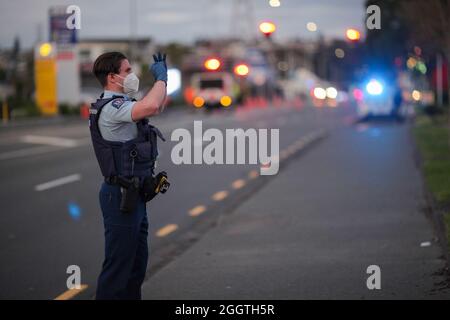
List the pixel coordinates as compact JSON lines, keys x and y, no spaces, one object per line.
{"x":378,"y":97}
{"x":213,"y":90}
{"x":325,"y":96}
{"x":223,"y":78}
{"x":301,"y":83}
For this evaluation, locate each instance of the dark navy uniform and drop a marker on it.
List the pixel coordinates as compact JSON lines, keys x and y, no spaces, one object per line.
{"x":115,"y":137}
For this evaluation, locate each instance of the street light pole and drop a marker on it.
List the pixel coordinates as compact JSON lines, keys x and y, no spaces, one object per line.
{"x":133,"y":27}
{"x":268,"y":28}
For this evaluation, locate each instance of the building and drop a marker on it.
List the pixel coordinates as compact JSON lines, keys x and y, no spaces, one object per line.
{"x":138,"y":50}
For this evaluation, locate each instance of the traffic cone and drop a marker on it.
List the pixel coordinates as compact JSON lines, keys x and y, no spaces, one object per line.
{"x":84,"y":111}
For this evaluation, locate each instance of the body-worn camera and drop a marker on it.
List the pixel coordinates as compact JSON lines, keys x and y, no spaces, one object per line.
{"x":163,"y":185}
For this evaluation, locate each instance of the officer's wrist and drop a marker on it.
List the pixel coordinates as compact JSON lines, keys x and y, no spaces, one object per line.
{"x":165,"y":82}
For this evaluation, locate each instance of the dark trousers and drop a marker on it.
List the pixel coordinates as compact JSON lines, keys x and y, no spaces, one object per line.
{"x":126,"y":248}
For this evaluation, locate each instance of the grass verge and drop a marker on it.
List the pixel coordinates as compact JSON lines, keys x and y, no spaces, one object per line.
{"x":432,"y":137}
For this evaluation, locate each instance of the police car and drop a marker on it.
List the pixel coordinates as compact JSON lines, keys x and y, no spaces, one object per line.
{"x":376,"y":98}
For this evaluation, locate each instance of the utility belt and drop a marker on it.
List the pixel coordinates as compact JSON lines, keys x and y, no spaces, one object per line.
{"x":133,"y":187}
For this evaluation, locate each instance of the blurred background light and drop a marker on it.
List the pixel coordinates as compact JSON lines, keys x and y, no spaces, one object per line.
{"x":74,"y":210}
{"x":320,"y":93}
{"x":275,"y":3}
{"x":332,"y":93}
{"x":45,"y":49}
{"x":212,"y":64}
{"x":340,"y":53}
{"x":353,"y":34}
{"x":411,"y":63}
{"x":283,"y":66}
{"x":173,"y":80}
{"x":374,"y":87}
{"x":225,"y":101}
{"x":358,"y":94}
{"x":267,"y":28}
{"x":311,"y":26}
{"x":198,"y":102}
{"x":416,"y":95}
{"x":418,"y":50}
{"x":241,"y":69}
{"x":421,"y":67}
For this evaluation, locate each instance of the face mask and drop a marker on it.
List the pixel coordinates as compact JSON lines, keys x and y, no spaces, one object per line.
{"x":130,"y":83}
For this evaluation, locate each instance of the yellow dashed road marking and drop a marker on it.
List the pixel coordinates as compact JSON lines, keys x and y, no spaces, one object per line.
{"x":238,"y":184}
{"x":196,"y":211}
{"x":253,"y":174}
{"x":283,"y":154}
{"x":69,"y":294}
{"x":218,"y":196}
{"x":164,"y":231}
{"x":300,"y":144}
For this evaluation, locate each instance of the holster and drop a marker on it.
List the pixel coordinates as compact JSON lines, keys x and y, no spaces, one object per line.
{"x":130,"y":192}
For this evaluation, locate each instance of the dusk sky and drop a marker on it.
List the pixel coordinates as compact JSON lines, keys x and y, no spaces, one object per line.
{"x":178,"y":20}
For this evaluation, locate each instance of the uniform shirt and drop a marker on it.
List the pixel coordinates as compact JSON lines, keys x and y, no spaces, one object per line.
{"x":115,"y":122}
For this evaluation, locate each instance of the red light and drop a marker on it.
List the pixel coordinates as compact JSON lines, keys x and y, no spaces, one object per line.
{"x":358,"y":94}
{"x":267,"y":28}
{"x":212,"y":64}
{"x":241,"y":69}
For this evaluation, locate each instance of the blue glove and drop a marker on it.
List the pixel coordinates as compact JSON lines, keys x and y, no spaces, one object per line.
{"x":159,"y":68}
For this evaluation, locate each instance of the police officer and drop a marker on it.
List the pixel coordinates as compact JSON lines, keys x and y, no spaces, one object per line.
{"x":125,"y":146}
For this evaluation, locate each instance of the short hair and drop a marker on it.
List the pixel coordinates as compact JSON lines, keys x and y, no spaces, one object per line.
{"x":107,"y":63}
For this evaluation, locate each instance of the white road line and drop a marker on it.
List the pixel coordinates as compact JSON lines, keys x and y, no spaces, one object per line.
{"x":425,"y":244}
{"x":52,"y":141}
{"x":26,"y":152}
{"x":32,"y":151}
{"x":58,"y":182}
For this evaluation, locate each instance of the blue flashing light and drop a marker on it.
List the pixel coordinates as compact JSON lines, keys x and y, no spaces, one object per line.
{"x":374,"y":87}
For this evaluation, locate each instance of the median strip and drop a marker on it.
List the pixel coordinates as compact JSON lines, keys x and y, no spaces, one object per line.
{"x":164,"y":231}
{"x":238,"y":184}
{"x":69,"y":294}
{"x":253,"y":174}
{"x":218,"y":196}
{"x":196,"y":211}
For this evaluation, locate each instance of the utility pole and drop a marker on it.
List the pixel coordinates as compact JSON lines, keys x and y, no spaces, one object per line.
{"x":439,"y":81}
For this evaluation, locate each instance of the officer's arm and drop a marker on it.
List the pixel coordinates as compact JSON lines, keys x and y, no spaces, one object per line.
{"x":151,"y":104}
{"x":163,"y":105}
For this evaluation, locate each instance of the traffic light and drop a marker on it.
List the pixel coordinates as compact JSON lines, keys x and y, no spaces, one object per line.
{"x":241,"y":70}
{"x":267,"y":28}
{"x":353,"y":35}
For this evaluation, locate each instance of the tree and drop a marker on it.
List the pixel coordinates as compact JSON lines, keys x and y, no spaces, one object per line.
{"x":385,"y":44}
{"x":430,"y":21}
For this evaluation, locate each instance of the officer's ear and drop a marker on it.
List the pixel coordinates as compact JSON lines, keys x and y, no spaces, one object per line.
{"x":110,"y":78}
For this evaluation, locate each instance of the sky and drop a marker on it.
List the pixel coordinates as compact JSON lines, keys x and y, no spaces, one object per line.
{"x":179,"y":20}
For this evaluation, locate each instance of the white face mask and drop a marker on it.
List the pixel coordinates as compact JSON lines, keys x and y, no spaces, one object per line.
{"x":130,"y":83}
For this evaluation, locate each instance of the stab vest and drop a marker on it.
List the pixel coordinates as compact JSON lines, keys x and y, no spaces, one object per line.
{"x":133,"y":158}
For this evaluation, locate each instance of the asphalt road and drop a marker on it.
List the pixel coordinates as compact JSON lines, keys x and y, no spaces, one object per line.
{"x":352,"y":201}
{"x":49,"y":194}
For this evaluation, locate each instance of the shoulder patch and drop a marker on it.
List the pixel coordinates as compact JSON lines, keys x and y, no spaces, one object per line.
{"x":117,"y":102}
